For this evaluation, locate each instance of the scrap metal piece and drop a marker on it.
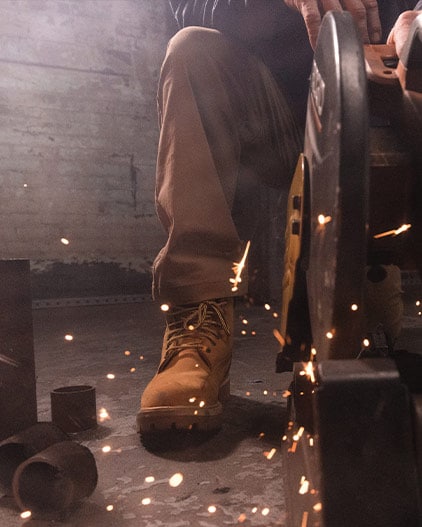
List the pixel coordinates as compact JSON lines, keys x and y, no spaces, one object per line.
{"x":55,"y":479}
{"x":18,"y":402}
{"x":18,"y":448}
{"x":73,"y":408}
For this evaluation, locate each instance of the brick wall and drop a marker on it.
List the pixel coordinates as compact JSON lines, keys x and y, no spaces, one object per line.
{"x":78,"y":134}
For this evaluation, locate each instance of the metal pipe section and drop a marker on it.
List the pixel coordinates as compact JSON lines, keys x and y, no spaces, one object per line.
{"x":20,"y":447}
{"x":55,"y":479}
{"x":73,"y":408}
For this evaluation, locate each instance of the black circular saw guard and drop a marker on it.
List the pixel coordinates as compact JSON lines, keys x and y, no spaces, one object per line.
{"x":337,"y":152}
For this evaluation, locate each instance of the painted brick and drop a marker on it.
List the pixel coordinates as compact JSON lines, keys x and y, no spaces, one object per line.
{"x":78,"y":135}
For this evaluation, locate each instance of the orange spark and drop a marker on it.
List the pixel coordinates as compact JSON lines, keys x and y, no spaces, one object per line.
{"x":293,"y":447}
{"x":394,"y":232}
{"x":238,"y":268}
{"x":310,"y":372}
{"x":176,"y":480}
{"x":279,"y":337}
{"x":304,"y":486}
{"x":299,"y":434}
{"x":269,"y":455}
{"x":322,"y":220}
{"x":103,"y":415}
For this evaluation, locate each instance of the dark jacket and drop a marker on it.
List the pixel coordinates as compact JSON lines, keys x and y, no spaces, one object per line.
{"x":273,"y":31}
{"x":268,"y":28}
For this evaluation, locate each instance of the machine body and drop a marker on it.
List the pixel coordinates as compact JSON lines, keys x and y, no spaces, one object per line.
{"x":353,"y":443}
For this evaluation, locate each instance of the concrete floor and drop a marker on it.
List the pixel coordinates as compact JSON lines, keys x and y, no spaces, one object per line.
{"x":230,"y":471}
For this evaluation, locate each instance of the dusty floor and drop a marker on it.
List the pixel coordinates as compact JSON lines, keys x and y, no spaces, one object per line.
{"x":229,"y":471}
{"x":230,"y":479}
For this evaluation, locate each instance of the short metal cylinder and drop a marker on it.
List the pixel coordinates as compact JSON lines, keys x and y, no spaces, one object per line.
{"x":55,"y":479}
{"x":18,"y":448}
{"x":73,"y":408}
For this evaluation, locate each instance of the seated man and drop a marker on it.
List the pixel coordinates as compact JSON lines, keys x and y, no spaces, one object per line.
{"x":232,"y":98}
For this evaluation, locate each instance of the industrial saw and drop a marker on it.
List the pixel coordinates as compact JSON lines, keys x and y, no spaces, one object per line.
{"x":353,"y":443}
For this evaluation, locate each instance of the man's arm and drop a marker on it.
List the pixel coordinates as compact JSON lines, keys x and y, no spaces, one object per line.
{"x":365,"y":13}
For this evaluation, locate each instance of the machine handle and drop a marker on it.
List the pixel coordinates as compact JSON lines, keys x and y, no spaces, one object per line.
{"x":381,"y":63}
{"x":384,"y":67}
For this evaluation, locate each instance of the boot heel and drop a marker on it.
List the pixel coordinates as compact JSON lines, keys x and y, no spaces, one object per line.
{"x":224,"y":392}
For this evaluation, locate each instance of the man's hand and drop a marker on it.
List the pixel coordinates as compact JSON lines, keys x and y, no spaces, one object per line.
{"x":365,"y":13}
{"x":400,"y":31}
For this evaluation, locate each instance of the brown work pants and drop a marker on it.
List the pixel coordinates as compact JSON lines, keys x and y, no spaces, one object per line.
{"x":221,"y":115}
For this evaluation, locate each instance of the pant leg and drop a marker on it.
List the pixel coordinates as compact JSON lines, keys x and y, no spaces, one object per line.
{"x":219,"y":108}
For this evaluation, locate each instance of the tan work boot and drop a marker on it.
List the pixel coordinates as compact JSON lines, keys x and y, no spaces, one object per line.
{"x":193,"y":377}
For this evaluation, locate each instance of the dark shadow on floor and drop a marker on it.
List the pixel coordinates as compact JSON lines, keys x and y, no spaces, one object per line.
{"x":243,"y":419}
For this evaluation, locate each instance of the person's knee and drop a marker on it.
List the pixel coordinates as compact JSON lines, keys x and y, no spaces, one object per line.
{"x":190,"y":43}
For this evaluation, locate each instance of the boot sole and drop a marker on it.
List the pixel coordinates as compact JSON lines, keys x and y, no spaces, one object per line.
{"x":164,"y":418}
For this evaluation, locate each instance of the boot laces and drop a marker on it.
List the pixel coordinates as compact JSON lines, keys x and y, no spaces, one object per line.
{"x":196,"y":327}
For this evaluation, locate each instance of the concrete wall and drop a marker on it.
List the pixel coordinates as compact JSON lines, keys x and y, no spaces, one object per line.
{"x":78,"y":134}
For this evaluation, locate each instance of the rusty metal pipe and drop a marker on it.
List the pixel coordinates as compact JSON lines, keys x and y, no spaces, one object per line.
{"x":17,"y":448}
{"x":55,"y":479}
{"x":73,"y":408}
